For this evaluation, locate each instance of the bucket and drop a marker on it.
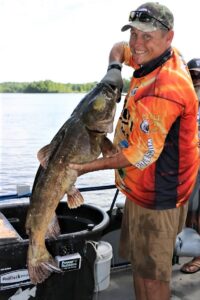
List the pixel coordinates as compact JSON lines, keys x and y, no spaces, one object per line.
{"x":102,"y":266}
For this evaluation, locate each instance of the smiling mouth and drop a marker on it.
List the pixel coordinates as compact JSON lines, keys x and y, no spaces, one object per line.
{"x":139,"y":52}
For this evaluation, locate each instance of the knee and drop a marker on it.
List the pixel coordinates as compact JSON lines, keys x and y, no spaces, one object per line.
{"x":151,"y":285}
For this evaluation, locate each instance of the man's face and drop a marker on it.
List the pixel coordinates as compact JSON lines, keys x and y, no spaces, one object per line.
{"x":146,"y":46}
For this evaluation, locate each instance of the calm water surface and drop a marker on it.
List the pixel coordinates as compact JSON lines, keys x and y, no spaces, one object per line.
{"x":28,"y":122}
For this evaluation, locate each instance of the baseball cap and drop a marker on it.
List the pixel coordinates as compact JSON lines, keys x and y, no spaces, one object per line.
{"x":194,"y":64}
{"x":150,"y":17}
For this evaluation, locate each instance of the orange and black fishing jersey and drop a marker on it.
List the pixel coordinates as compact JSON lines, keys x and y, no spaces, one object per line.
{"x":157,"y":131}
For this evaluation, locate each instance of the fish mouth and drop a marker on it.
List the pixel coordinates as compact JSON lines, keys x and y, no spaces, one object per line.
{"x":94,"y":130}
{"x":97,"y":131}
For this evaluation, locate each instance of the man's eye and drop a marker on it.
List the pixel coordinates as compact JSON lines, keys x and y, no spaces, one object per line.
{"x":147,"y":37}
{"x":133,"y":35}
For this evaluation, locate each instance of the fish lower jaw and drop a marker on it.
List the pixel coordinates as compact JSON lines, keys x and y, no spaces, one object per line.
{"x":96,"y":131}
{"x":101,"y":127}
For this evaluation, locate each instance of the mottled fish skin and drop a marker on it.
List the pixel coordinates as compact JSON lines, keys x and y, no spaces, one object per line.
{"x":81,"y":139}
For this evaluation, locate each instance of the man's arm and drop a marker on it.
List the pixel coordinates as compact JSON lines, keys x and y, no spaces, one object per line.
{"x":117,"y":53}
{"x":116,"y":161}
{"x":116,"y":58}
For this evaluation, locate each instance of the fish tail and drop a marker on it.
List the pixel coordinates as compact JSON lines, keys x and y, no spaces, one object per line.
{"x":74,"y":198}
{"x":53,"y":230}
{"x":40,"y":268}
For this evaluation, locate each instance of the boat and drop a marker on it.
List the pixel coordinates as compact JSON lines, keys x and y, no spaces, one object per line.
{"x":87,"y":252}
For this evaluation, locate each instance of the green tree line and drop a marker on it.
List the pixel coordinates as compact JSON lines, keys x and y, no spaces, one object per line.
{"x":49,"y":86}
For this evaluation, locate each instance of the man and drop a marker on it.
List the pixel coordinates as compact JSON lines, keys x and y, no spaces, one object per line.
{"x":156,"y":165}
{"x":193,"y":217}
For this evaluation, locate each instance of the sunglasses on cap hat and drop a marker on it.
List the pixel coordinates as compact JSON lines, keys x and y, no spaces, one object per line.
{"x":144,"y":17}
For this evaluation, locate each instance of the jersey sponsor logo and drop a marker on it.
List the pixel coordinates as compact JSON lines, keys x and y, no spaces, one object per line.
{"x":145,"y":126}
{"x":133,"y":91}
{"x":147,"y":156}
{"x":150,"y":123}
{"x":123,"y":144}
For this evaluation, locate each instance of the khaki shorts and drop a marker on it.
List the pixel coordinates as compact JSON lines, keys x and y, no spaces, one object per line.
{"x":148,"y":239}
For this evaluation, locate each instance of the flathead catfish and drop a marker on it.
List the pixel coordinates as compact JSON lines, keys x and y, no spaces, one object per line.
{"x":81,"y":139}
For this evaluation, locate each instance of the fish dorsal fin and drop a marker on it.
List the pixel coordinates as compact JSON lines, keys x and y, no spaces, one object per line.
{"x":43,"y":155}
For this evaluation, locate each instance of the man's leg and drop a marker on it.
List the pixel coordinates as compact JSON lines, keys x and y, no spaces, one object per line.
{"x":139,"y":287}
{"x":147,"y":289}
{"x":149,"y":244}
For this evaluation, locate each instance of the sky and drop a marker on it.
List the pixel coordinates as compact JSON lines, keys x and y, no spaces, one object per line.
{"x":70,"y":40}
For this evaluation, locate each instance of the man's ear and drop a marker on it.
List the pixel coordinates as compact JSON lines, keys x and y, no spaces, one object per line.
{"x":170,"y":36}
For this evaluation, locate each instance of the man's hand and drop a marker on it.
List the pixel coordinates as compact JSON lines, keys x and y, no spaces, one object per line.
{"x":113,"y":76}
{"x":95,"y":165}
{"x":78,"y":167}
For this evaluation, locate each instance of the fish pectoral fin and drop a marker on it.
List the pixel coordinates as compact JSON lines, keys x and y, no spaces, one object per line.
{"x":43,"y":155}
{"x":107,"y":148}
{"x":74,"y":198}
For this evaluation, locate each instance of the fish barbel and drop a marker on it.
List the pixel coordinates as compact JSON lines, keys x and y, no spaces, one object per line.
{"x":81,"y":139}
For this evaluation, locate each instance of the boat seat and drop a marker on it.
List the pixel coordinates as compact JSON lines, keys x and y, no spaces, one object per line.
{"x":7,"y":232}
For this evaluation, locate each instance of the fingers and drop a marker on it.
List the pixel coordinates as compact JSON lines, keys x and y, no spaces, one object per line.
{"x":77,"y":167}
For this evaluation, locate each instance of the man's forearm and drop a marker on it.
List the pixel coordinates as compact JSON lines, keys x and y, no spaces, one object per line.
{"x":117,"y":53}
{"x":113,"y":162}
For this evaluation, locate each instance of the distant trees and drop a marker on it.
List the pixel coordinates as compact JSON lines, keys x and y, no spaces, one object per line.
{"x":46,"y":86}
{"x":49,"y":86}
{"x":126,"y":85}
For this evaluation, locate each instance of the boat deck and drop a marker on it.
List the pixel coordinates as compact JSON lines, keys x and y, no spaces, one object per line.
{"x":184,"y":286}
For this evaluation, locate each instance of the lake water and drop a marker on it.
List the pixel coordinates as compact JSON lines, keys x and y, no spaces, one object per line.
{"x":28,"y":122}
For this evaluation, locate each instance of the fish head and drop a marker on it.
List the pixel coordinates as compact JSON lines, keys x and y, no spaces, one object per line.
{"x":99,"y":113}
